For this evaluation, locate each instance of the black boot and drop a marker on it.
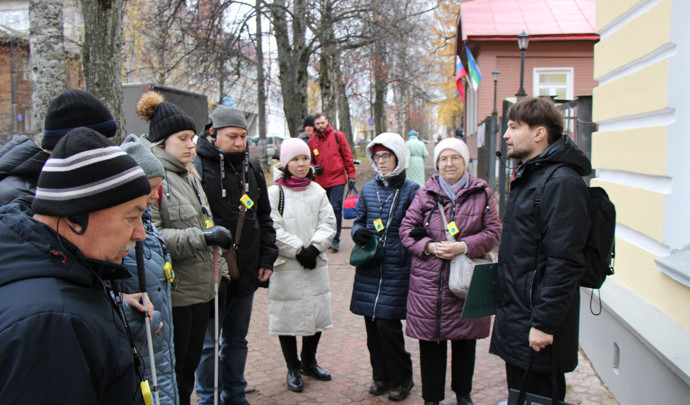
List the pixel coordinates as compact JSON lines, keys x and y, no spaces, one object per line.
{"x":294,"y":380}
{"x":313,"y":370}
{"x":465,"y":399}
{"x":378,"y":387}
{"x":401,"y":392}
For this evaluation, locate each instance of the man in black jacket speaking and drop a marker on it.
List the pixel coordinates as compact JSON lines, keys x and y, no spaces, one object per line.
{"x":541,"y":258}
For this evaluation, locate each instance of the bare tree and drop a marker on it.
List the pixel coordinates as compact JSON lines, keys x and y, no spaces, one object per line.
{"x":48,"y":73}
{"x":102,"y":54}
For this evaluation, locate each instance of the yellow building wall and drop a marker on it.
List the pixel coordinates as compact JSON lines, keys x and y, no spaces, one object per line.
{"x":634,"y":40}
{"x":608,"y":10}
{"x":639,"y":150}
{"x":635,"y":270}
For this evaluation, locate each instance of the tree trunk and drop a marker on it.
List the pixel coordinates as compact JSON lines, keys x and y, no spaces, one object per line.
{"x":47,"y":59}
{"x":380,"y":85}
{"x":293,"y":60}
{"x":260,"y":87}
{"x":327,"y":75}
{"x":102,"y":55}
{"x":344,"y":118}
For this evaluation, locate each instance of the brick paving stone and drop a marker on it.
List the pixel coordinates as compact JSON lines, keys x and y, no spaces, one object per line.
{"x":343,"y":352}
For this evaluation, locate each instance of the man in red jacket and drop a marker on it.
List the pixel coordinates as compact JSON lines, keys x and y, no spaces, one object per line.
{"x":334,"y":166}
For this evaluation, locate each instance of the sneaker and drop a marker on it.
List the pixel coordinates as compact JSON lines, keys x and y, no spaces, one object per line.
{"x":401,"y":392}
{"x":335,"y":246}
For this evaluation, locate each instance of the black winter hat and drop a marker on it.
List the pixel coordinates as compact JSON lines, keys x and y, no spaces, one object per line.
{"x":86,"y":173}
{"x":72,"y":109}
{"x":309,"y":121}
{"x":165,"y":118}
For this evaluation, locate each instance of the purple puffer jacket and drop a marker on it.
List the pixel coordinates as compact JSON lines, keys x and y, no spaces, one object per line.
{"x":433,"y":311}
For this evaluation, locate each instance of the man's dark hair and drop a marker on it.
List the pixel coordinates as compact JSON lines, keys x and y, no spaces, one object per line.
{"x":319,"y":115}
{"x":537,"y":112}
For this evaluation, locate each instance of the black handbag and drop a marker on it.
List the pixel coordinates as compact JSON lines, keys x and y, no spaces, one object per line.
{"x":371,"y":253}
{"x":521,"y":397}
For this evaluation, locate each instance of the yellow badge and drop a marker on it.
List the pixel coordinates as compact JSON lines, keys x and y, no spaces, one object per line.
{"x":452,"y":228}
{"x":169,"y":273}
{"x":146,"y":392}
{"x":246,"y":201}
{"x":316,"y":152}
{"x":378,"y":224}
{"x":208,"y":223}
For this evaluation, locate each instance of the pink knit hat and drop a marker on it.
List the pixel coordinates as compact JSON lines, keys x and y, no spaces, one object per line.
{"x":453,"y":144}
{"x":292,"y":147}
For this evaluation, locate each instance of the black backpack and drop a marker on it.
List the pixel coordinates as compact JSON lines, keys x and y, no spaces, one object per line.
{"x":600,"y":248}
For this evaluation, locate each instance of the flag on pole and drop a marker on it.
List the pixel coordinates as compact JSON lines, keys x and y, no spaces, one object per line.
{"x":460,"y":72}
{"x":475,"y":76}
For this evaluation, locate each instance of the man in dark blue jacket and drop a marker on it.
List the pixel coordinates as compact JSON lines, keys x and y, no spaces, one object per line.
{"x":541,"y":259}
{"x":64,"y":340}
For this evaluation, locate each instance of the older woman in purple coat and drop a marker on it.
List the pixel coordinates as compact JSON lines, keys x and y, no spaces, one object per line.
{"x":433,"y":311}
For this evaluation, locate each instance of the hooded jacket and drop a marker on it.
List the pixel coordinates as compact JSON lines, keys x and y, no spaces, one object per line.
{"x":433,"y":311}
{"x":180,"y":219}
{"x":299,"y":299}
{"x":221,"y":172}
{"x":337,"y":166}
{"x":538,"y":275}
{"x":380,"y":291}
{"x":62,"y":338}
{"x":21,"y":161}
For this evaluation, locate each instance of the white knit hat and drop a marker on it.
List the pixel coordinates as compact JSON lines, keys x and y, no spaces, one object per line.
{"x":292,"y":147}
{"x":453,"y":144}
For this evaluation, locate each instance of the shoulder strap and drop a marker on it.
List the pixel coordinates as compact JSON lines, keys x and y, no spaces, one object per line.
{"x":537,"y":203}
{"x":340,"y":149}
{"x":394,"y":206}
{"x":281,"y":200}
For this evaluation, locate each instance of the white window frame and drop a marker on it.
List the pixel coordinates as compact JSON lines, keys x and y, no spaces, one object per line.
{"x":568,"y":71}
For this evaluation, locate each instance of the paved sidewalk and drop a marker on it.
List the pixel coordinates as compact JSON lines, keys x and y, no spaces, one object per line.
{"x":343,"y":352}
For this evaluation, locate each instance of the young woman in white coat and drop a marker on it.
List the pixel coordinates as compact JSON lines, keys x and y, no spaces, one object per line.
{"x":299,"y":295}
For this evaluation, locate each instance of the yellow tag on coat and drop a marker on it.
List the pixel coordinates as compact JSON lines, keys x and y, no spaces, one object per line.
{"x":208,"y":223}
{"x":169,"y":273}
{"x":378,"y":224}
{"x":246,"y":201}
{"x":452,"y":228}
{"x":316,"y":152}
{"x":146,"y":392}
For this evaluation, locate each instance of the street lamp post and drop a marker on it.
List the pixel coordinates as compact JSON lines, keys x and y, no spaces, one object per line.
{"x":492,"y":135}
{"x":523,"y":41}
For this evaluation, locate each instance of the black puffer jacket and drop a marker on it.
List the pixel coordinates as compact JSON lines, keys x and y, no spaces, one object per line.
{"x":547,"y":299}
{"x":62,"y":341}
{"x":21,"y":161}
{"x":258,"y":240}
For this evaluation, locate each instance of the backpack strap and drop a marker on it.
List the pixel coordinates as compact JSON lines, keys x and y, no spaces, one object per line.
{"x":537,"y":203}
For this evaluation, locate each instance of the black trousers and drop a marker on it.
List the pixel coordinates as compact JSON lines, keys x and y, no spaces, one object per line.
{"x":390,"y":362}
{"x":190,"y":329}
{"x":537,"y":383}
{"x":433,"y":359}
{"x":289,"y":346}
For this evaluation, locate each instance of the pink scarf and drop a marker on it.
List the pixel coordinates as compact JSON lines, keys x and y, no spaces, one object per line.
{"x":294,"y":182}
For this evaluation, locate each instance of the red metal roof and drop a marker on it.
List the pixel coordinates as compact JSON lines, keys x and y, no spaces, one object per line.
{"x":548,"y":18}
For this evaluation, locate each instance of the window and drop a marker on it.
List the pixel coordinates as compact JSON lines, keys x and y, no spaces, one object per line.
{"x":15,"y":19}
{"x":557,"y":82}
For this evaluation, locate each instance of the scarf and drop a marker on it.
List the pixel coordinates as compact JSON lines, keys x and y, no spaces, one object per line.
{"x":452,"y":190}
{"x":294,"y":182}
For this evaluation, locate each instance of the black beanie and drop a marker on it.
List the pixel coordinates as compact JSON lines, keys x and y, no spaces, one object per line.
{"x":165,"y":118}
{"x":309,"y":121}
{"x":86,"y":173}
{"x":75,"y":108}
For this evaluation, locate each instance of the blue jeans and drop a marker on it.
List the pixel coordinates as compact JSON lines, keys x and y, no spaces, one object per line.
{"x":235,"y":319}
{"x":335,"y":196}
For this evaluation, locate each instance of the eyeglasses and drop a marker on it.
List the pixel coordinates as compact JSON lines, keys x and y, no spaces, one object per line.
{"x":382,"y":156}
{"x":455,"y":159}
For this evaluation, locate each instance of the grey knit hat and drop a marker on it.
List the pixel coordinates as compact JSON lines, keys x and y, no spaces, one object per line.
{"x":224,"y":116}
{"x":143,"y":155}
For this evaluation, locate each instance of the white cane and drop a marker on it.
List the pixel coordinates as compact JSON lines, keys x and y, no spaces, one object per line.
{"x":216,"y":281}
{"x":141,"y":270}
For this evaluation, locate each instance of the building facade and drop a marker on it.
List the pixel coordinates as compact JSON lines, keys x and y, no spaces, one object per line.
{"x":639,"y":344}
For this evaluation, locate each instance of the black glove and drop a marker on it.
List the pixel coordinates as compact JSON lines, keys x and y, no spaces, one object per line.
{"x":418,"y":233}
{"x":218,"y":235}
{"x":350,"y":183}
{"x":362,"y":236}
{"x":307,"y":257}
{"x":318,"y":170}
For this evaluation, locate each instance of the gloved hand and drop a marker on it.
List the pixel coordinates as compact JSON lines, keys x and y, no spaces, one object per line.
{"x":362,"y":236}
{"x":418,"y":233}
{"x":219,"y":236}
{"x":350,"y":183}
{"x":307,"y":257}
{"x":318,"y":170}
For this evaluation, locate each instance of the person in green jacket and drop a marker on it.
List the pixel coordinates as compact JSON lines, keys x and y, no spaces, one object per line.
{"x":416,"y":152}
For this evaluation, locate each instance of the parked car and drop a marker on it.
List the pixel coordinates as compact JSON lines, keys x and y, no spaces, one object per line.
{"x":272,"y":146}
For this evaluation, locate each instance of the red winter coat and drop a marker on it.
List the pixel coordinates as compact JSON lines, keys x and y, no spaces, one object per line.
{"x":335,"y":165}
{"x":433,"y":311}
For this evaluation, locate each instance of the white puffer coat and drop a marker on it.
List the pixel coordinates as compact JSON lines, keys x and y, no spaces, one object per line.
{"x":299,"y":300}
